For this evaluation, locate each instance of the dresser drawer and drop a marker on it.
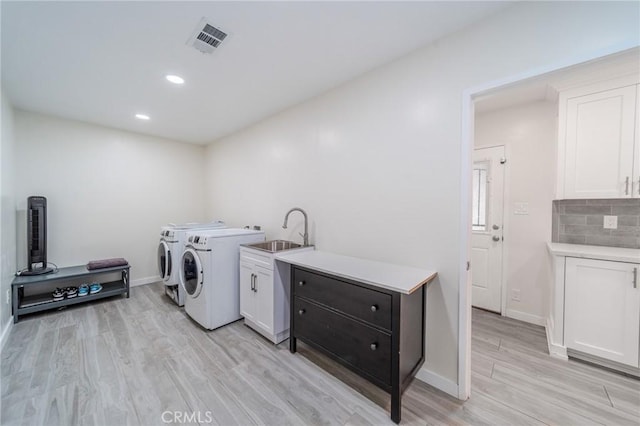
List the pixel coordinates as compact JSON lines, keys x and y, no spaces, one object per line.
{"x":363,"y":347}
{"x":367,"y":305}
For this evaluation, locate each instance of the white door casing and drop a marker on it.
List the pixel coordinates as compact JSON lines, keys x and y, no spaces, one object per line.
{"x":487,"y":228}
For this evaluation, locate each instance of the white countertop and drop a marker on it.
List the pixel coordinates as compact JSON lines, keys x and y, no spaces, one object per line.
{"x":595,"y":252}
{"x":403,"y":279}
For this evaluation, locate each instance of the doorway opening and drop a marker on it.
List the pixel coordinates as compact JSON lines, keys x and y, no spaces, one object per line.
{"x":515,"y":90}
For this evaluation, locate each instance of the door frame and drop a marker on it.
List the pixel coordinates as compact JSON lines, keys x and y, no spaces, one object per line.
{"x":466,"y":163}
{"x":505,"y":227}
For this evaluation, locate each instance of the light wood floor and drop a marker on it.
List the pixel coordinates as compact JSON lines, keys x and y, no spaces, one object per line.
{"x":128,"y":361}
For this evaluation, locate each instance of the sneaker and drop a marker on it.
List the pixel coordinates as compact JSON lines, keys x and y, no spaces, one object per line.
{"x":83,"y":290}
{"x":71,"y":292}
{"x":58,"y":294}
{"x":95,"y":288}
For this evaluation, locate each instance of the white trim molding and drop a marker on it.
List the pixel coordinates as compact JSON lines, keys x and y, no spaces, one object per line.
{"x":144,"y":281}
{"x":438,"y":382}
{"x":526,"y":317}
{"x":555,"y":350}
{"x":5,"y":333}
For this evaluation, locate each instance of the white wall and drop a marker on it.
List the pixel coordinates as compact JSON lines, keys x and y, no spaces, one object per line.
{"x":376,"y":162}
{"x":7,"y":210}
{"x":529,"y":133}
{"x":108,"y":191}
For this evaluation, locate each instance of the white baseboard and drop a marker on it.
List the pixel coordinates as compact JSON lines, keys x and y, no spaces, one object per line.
{"x":5,"y":333}
{"x":523,"y":316}
{"x":144,"y":281}
{"x":555,"y":350}
{"x":438,"y":382}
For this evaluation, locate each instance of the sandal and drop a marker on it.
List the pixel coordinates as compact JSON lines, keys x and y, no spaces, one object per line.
{"x":95,"y":288}
{"x":83,"y":290}
{"x":58,"y":294}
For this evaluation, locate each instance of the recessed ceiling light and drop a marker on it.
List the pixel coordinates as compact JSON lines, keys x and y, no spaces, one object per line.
{"x":175,"y":79}
{"x":142,"y":116}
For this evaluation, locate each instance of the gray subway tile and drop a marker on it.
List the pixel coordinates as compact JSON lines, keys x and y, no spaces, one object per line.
{"x":595,"y":220}
{"x":571,"y":202}
{"x":628,"y":220}
{"x":630,"y":210}
{"x":587,"y":209}
{"x":615,"y":201}
{"x":571,"y":219}
{"x":585,"y":230}
{"x":626,"y":231}
{"x":612,"y":241}
{"x":572,"y":239}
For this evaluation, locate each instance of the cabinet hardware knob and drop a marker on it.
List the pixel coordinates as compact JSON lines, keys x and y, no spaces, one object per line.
{"x":495,"y":238}
{"x":374,"y":346}
{"x":374,"y":308}
{"x":301,"y":312}
{"x":301,"y":283}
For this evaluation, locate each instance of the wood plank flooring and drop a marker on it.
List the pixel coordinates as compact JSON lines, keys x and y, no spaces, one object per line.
{"x":128,"y":361}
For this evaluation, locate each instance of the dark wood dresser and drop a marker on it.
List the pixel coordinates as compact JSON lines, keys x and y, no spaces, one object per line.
{"x":376,"y":332}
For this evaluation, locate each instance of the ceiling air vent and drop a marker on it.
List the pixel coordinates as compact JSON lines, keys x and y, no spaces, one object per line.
{"x":206,"y":38}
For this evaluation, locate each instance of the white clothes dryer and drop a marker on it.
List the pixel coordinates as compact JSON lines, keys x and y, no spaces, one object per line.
{"x":172,"y":241}
{"x":209,"y":274}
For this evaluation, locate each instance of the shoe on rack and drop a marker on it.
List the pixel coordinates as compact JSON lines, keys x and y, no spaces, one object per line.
{"x":58,"y":294}
{"x":95,"y":288}
{"x":71,"y":292}
{"x":83,"y":290}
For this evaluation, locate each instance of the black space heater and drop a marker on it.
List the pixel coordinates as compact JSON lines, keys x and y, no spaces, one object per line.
{"x":37,"y":237}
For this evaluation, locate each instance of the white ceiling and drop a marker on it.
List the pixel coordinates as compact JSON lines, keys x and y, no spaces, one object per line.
{"x":103,"y":62}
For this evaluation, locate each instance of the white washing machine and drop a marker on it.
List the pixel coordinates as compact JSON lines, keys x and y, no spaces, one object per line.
{"x":172,"y":241}
{"x":209,"y":274}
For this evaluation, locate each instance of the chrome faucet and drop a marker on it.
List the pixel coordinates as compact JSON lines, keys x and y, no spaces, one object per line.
{"x":305,"y":237}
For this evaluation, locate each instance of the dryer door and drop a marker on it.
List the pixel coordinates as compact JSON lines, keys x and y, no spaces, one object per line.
{"x":164,"y":260}
{"x":191,"y":277}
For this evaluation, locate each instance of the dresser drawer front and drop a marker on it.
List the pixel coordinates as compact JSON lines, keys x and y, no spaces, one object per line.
{"x":346,"y":338}
{"x":367,"y":305}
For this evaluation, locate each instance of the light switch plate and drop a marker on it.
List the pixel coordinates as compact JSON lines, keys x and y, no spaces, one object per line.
{"x":611,"y":222}
{"x":521,"y":208}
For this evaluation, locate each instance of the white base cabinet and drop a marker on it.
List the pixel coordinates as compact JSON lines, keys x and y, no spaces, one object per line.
{"x":595,"y":305}
{"x":264,"y":293}
{"x":602,"y":309}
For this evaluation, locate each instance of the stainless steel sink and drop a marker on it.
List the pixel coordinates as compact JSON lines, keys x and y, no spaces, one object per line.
{"x":274,"y":246}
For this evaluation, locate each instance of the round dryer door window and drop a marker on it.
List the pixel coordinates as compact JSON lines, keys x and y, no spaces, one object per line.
{"x":191,"y":273}
{"x":164,"y":259}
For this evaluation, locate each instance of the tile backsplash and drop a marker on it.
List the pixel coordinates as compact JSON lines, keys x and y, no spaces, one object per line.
{"x":581,"y":222}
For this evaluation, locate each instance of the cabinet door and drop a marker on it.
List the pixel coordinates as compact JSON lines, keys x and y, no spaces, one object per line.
{"x":247,"y":297}
{"x":602,"y":309}
{"x":599,"y":144}
{"x":264,"y":298}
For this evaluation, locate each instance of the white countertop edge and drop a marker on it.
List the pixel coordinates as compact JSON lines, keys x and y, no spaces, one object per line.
{"x":616,"y":254}
{"x":403,"y":279}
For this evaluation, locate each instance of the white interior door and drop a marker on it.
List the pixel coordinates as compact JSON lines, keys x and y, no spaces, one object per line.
{"x":487,"y":228}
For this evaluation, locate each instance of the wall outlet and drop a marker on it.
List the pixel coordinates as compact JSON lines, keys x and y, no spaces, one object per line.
{"x":611,"y":222}
{"x":515,"y":295}
{"x":8,"y":299}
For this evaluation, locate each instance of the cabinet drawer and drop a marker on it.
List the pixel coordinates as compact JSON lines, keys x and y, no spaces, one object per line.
{"x":346,"y":338}
{"x":368,"y":305}
{"x":256,"y":257}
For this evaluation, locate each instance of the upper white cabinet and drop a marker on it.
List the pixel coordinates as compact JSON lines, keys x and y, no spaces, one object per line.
{"x":602,"y":309}
{"x":599,"y":150}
